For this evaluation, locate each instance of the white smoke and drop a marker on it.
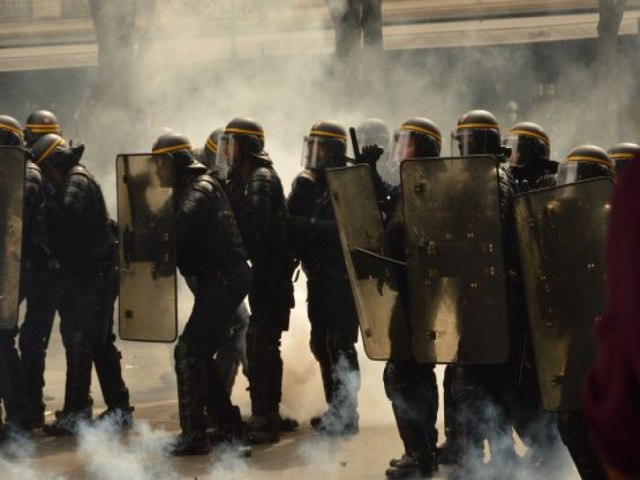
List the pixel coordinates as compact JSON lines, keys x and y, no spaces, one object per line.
{"x":107,"y":454}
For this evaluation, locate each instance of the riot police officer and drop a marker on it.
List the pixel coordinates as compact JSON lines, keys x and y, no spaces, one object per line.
{"x":479,"y":390}
{"x":207,"y":154}
{"x":531,"y":169}
{"x":582,"y":163}
{"x":585,"y":162}
{"x":39,"y":124}
{"x":373,"y":131}
{"x":258,"y":202}
{"x":410,"y":386}
{"x":529,"y":162}
{"x":84,"y":243}
{"x":12,"y":381}
{"x":211,"y":257}
{"x":45,"y":279}
{"x":623,"y":153}
{"x":330,"y":305}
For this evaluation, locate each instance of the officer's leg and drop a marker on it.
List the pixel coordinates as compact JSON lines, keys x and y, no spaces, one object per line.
{"x":468,"y":396}
{"x":78,"y":312}
{"x":575,"y":436}
{"x":12,"y":385}
{"x":448,"y":452}
{"x":341,"y":321}
{"x":265,"y":382}
{"x":316,"y":309}
{"x":412,"y":389}
{"x":43,"y":296}
{"x":231,"y":353}
{"x":107,"y":358}
{"x":497,"y":424}
{"x":208,"y":324}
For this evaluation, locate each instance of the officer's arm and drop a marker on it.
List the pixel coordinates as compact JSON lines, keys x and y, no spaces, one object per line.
{"x":300,"y":200}
{"x":190,"y":217}
{"x":259,"y":198}
{"x":33,"y":193}
{"x":75,"y":195}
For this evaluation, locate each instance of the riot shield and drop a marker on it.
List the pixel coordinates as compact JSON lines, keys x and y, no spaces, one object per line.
{"x":147,"y":306}
{"x":562,"y":231}
{"x":373,"y":277}
{"x":12,"y":172}
{"x":455,"y":260}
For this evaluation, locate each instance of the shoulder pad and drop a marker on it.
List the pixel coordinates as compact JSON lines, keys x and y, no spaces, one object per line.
{"x":79,"y":170}
{"x":307,"y":175}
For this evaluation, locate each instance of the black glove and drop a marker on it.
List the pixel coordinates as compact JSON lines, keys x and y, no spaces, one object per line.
{"x":370,"y":155}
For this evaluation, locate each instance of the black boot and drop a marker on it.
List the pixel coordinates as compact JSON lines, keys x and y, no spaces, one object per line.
{"x":12,"y":386}
{"x":265,"y":383}
{"x":77,"y":406}
{"x":448,"y":451}
{"x":107,"y":360}
{"x":341,"y":418}
{"x":192,"y":377}
{"x":575,"y":436}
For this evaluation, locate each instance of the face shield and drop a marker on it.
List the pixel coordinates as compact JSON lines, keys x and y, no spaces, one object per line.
{"x":517,"y":146}
{"x":165,"y":170}
{"x":472,"y":141}
{"x":228,"y":150}
{"x":403,"y":148}
{"x":317,"y":154}
{"x":9,"y":139}
{"x":571,"y":172}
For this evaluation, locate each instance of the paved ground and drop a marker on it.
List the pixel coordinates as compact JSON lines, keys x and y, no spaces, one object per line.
{"x":104,"y":454}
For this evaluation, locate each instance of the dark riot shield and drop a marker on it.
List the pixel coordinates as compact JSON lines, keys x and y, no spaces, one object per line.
{"x":147,"y":307}
{"x":12,"y":172}
{"x":373,"y":277}
{"x":455,"y":260}
{"x":562,"y":233}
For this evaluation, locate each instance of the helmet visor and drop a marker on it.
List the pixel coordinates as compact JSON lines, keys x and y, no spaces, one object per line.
{"x":403,"y":148}
{"x":320,"y":153}
{"x":228,"y":149}
{"x":515,"y":144}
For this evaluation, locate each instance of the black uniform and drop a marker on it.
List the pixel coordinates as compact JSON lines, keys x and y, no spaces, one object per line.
{"x":212,"y":259}
{"x":84,"y":243}
{"x":259,"y":205}
{"x":13,"y":387}
{"x":480,"y":392}
{"x":589,"y":162}
{"x":411,"y":386}
{"x":331,"y":309}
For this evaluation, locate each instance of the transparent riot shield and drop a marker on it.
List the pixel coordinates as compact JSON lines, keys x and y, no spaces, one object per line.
{"x":12,"y":172}
{"x":373,"y":277}
{"x":562,"y":232}
{"x":455,"y":260}
{"x":147,"y":306}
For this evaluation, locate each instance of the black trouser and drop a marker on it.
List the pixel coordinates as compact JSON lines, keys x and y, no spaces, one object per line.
{"x":45,"y":293}
{"x":87,"y":334}
{"x":233,"y":353}
{"x":12,"y":382}
{"x":334,"y":332}
{"x":480,"y":393}
{"x":535,"y":426}
{"x":199,"y":379}
{"x":270,"y":300}
{"x":575,"y":436}
{"x":449,"y":408}
{"x":413,"y":392}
